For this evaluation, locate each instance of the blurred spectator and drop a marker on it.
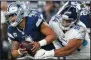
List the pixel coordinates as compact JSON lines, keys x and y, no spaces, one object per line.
{"x":3,"y":30}
{"x":41,"y":5}
{"x":49,"y":10}
{"x":3,"y":21}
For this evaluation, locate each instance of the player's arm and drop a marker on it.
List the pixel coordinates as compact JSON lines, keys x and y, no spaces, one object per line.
{"x":74,"y":42}
{"x":50,"y":36}
{"x":72,"y":46}
{"x":14,"y":49}
{"x":48,"y":32}
{"x":14,"y":44}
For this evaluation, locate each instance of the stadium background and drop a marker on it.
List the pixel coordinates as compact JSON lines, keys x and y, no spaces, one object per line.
{"x":48,"y":8}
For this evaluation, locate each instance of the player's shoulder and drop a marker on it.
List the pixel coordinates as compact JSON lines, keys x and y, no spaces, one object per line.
{"x":79,"y":28}
{"x":76,"y":31}
{"x":35,"y":17}
{"x":55,"y":18}
{"x":34,"y":12}
{"x":11,"y":29}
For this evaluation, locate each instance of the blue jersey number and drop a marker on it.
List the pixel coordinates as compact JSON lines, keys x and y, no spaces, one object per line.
{"x":77,"y":27}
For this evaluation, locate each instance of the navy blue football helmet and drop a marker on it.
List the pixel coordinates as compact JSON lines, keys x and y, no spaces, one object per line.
{"x":69,"y":17}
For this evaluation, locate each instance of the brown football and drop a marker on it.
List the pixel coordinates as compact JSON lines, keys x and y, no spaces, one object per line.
{"x":25,"y":44}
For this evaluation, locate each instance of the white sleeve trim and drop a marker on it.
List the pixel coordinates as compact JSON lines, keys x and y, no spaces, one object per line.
{"x":9,"y":40}
{"x":39,"y":20}
{"x":9,"y":35}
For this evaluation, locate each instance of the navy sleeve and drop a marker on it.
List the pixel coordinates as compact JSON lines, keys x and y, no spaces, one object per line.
{"x":10,"y":33}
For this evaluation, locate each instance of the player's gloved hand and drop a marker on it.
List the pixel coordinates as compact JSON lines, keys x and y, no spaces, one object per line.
{"x":36,"y":46}
{"x":41,"y":54}
{"x":22,"y":51}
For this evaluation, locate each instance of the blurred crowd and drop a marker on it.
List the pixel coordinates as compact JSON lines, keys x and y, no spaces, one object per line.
{"x":48,"y":8}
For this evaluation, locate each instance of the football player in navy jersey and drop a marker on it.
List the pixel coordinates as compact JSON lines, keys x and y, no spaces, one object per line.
{"x":85,"y":14}
{"x":29,"y":28}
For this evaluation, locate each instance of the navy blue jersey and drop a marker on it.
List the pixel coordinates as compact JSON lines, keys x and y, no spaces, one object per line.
{"x":32,"y":29}
{"x":85,"y":18}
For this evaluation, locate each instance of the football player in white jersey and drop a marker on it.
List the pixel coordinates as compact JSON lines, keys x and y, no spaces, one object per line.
{"x":75,"y":42}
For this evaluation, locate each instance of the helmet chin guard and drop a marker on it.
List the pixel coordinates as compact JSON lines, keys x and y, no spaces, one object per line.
{"x":66,"y":28}
{"x":14,"y":24}
{"x":66,"y":22}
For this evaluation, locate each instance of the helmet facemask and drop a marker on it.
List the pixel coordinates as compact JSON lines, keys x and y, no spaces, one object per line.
{"x":66,"y":22}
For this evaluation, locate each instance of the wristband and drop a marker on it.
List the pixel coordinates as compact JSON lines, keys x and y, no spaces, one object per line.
{"x":20,"y":52}
{"x":43,"y":42}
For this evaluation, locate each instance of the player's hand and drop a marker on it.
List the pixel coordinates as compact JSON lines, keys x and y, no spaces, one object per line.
{"x":22,"y":51}
{"x":36,"y":46}
{"x":42,"y":54}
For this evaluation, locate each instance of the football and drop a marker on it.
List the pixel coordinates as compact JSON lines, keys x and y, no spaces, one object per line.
{"x":25,"y":44}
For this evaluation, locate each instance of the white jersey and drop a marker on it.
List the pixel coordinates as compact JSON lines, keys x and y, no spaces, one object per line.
{"x":78,"y":32}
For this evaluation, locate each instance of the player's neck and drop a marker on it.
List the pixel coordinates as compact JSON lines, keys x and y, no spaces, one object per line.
{"x":22,"y":24}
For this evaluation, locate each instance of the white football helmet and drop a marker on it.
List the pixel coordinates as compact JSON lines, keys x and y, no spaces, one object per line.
{"x":17,"y":9}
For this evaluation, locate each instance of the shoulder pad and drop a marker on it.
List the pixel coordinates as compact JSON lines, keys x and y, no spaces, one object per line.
{"x":79,"y":28}
{"x":56,"y":18}
{"x":77,"y":32}
{"x":34,"y":12}
{"x":11,"y":29}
